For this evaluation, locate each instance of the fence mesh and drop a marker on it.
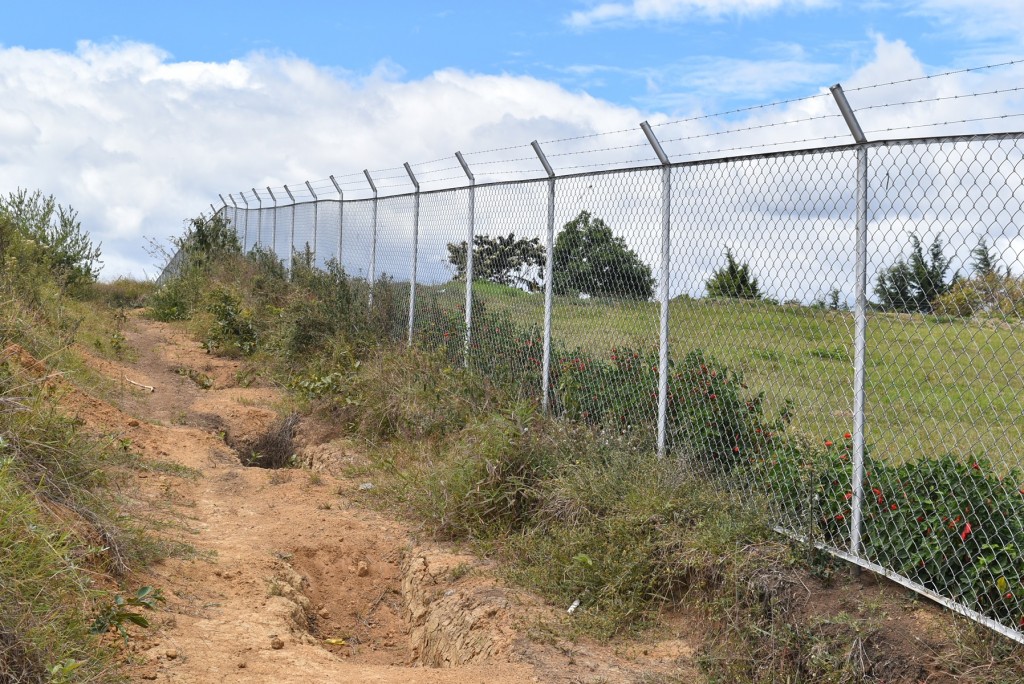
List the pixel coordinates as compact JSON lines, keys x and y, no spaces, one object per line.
{"x":762,"y":308}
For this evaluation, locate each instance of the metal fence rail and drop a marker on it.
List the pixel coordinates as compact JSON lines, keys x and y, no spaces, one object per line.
{"x":869,"y":396}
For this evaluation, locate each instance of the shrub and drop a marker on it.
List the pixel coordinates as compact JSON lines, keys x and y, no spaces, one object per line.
{"x":733,"y":280}
{"x":232,"y":330}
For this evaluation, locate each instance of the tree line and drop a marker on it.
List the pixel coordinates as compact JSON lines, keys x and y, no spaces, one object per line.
{"x":590,"y":260}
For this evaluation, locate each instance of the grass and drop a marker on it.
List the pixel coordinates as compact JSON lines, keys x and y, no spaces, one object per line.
{"x":933,"y":385}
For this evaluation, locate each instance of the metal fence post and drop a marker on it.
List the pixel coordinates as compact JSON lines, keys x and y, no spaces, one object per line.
{"x":214,"y":210}
{"x":549,"y":277}
{"x":469,"y":255}
{"x":341,"y":216}
{"x":259,"y":219}
{"x":291,"y":240}
{"x":373,"y":246}
{"x":245,"y":232}
{"x":666,"y":248}
{"x":415,"y":248}
{"x":232,"y":198}
{"x":273,"y":231}
{"x":860,"y":319}
{"x":316,"y":205}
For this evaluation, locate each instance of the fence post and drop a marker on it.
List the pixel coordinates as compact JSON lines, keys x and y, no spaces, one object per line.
{"x":273,"y":231}
{"x":232,"y":198}
{"x":469,"y":256}
{"x":341,"y":216}
{"x":316,"y":206}
{"x":291,"y":240}
{"x":666,"y":248}
{"x":373,"y":245}
{"x":245,"y":232}
{"x":259,"y":218}
{"x":549,"y":277}
{"x":415,"y":248}
{"x":860,"y":318}
{"x":214,"y":210}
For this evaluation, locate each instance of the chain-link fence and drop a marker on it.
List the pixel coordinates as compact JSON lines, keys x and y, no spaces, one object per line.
{"x":834,"y":331}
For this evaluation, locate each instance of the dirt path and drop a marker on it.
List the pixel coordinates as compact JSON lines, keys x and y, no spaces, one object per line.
{"x":291,"y":580}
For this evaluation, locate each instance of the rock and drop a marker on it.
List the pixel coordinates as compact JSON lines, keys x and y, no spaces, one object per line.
{"x":276,"y":643}
{"x":171,"y":653}
{"x":366,"y":486}
{"x":323,"y":612}
{"x":362,"y":570}
{"x":241,"y":666}
{"x":133,"y":423}
{"x":149,"y":675}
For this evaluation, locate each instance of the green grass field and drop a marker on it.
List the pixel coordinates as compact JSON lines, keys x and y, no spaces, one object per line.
{"x":933,"y":385}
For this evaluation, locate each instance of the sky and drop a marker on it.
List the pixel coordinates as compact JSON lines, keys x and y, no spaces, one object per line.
{"x":139,"y":114}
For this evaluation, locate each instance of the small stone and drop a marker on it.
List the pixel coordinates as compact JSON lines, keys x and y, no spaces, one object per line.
{"x":171,"y":653}
{"x":149,"y":675}
{"x":276,"y":643}
{"x":133,"y":423}
{"x":362,"y":570}
{"x":366,"y":486}
{"x":241,"y":666}
{"x":323,"y":613}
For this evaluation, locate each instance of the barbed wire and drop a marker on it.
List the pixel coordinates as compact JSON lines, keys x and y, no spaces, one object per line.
{"x":942,"y":98}
{"x":327,"y":184}
{"x":931,"y":76}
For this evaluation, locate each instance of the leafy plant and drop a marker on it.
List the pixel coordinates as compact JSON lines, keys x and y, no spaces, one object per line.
{"x":733,"y":280}
{"x":506,"y":260}
{"x":589,"y":259}
{"x":120,"y":611}
{"x":912,"y":285}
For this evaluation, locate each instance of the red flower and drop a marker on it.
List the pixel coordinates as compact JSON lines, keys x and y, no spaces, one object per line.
{"x":847,"y":436}
{"x":842,"y":517}
{"x":1009,"y":596}
{"x":967,"y":531}
{"x":828,"y":443}
{"x":920,"y":518}
{"x":975,"y":466}
{"x":735,"y":450}
{"x":713,"y":396}
{"x":848,"y":496}
{"x":893,"y":507}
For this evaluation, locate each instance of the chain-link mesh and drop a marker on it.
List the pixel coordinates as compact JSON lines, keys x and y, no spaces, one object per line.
{"x":762,"y":319}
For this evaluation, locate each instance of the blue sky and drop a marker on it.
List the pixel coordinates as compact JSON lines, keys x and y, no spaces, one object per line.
{"x":665,"y":62}
{"x":140,"y":113}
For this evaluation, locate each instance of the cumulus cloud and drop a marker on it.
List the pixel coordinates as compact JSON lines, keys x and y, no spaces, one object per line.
{"x":675,"y":10}
{"x":137,"y":141}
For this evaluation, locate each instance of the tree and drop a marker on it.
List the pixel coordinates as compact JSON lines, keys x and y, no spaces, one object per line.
{"x":56,"y":234}
{"x":589,"y":259}
{"x":733,"y":280}
{"x":518,"y":262}
{"x":913,"y":285}
{"x":983,"y":260}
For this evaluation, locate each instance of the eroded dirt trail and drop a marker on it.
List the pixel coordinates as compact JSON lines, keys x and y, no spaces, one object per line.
{"x":291,"y":581}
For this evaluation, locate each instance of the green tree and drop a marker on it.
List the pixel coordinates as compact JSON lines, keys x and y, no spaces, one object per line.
{"x":983,"y":260}
{"x":54,"y":234}
{"x":506,"y":260}
{"x":914,"y":284}
{"x":589,"y":259}
{"x":733,"y":280}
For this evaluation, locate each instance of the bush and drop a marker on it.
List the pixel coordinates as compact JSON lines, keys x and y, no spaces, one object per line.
{"x":232,"y":331}
{"x":993,"y":294}
{"x":35,"y":228}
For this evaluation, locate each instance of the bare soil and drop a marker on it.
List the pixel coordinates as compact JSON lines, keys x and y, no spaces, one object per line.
{"x":290,"y":579}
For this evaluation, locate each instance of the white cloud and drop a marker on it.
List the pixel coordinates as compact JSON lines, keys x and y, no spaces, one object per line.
{"x":675,"y":10}
{"x":137,"y":142}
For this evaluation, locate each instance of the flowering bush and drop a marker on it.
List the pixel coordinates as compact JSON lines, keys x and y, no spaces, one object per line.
{"x":953,"y":527}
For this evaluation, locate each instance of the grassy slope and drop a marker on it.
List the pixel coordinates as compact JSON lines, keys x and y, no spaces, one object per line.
{"x":933,"y":385}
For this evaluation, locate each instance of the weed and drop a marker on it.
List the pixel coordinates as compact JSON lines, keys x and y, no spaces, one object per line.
{"x":119,"y":612}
